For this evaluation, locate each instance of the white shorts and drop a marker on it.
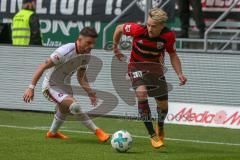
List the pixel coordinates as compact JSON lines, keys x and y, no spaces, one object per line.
{"x":56,"y":94}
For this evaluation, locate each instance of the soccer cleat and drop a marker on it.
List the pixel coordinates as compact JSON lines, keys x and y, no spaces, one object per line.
{"x":160,"y":133}
{"x":56,"y":135}
{"x":102,"y":136}
{"x":156,"y":142}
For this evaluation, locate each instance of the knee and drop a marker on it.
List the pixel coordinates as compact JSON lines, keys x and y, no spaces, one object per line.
{"x":141,"y":93}
{"x":64,"y":106}
{"x":75,"y":108}
{"x":63,"y":109}
{"x":141,"y":96}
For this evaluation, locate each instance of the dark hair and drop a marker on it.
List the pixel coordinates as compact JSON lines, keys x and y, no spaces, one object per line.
{"x":28,"y":1}
{"x":89,"y":32}
{"x":27,"y":4}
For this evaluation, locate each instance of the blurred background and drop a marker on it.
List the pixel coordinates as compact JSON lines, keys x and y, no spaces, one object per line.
{"x":208,"y":46}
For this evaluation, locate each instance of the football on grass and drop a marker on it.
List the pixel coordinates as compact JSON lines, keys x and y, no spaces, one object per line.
{"x":121,"y":141}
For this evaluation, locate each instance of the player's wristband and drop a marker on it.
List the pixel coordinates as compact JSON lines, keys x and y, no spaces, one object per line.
{"x":31,"y":86}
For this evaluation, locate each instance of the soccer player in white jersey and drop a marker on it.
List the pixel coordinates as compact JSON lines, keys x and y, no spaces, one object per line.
{"x":66,"y":104}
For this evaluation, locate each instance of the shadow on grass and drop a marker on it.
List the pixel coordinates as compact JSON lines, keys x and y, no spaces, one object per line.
{"x":130,"y":152}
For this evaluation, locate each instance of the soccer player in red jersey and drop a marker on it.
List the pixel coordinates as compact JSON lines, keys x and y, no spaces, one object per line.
{"x":148,"y":49}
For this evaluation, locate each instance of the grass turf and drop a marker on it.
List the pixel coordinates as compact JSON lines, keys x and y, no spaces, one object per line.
{"x":17,"y":143}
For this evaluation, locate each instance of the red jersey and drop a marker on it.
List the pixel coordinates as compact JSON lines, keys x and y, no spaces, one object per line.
{"x":147,"y":49}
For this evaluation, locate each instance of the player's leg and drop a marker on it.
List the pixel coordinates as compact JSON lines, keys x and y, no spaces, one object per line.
{"x":143,"y":109}
{"x":145,"y":114}
{"x":76,"y":109}
{"x":58,"y":121}
{"x":54,"y":96}
{"x":67,"y":104}
{"x":138,"y":85}
{"x":162,"y":110}
{"x":63,"y":97}
{"x":162,"y":107}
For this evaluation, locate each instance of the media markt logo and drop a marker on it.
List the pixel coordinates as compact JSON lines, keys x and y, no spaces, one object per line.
{"x":142,"y":4}
{"x":220,"y":117}
{"x":206,"y":117}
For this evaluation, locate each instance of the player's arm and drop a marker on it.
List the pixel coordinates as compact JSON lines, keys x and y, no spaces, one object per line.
{"x":29,"y":93}
{"x":128,"y":29}
{"x":175,"y":61}
{"x":116,"y":39}
{"x":176,"y":64}
{"x":83,"y":81}
{"x":40,"y":69}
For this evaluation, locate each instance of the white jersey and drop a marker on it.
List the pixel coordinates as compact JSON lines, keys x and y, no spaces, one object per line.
{"x":60,"y":57}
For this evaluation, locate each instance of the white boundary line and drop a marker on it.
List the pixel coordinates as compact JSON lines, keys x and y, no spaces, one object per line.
{"x":44,"y":128}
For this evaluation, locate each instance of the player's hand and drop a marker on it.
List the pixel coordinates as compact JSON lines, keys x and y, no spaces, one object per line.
{"x":182,"y":79}
{"x":28,"y":95}
{"x":118,"y":54}
{"x":93,"y":97}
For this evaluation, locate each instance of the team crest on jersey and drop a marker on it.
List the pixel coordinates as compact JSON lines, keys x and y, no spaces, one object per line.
{"x":160,"y":45}
{"x":56,"y":57}
{"x":60,"y":94}
{"x":127,"y":28}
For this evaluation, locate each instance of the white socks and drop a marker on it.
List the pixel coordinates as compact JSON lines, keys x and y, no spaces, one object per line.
{"x":75,"y":109}
{"x":83,"y":117}
{"x":58,"y":120}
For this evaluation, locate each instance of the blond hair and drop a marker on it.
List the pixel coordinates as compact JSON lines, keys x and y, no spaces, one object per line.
{"x":158,"y":15}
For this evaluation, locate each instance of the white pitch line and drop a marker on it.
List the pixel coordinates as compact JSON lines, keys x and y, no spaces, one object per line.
{"x":43,"y":128}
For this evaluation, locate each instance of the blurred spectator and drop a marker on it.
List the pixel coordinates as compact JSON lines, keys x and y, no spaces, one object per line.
{"x":169,"y":8}
{"x":184,"y":14}
{"x":5,"y":33}
{"x":26,"y":28}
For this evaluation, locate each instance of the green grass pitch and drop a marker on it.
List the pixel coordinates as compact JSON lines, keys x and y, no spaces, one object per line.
{"x":22,"y":138}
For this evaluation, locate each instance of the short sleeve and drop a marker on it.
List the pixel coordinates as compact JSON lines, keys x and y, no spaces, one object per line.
{"x":60,"y":54}
{"x":132,"y":29}
{"x":56,"y":57}
{"x":170,"y":45}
